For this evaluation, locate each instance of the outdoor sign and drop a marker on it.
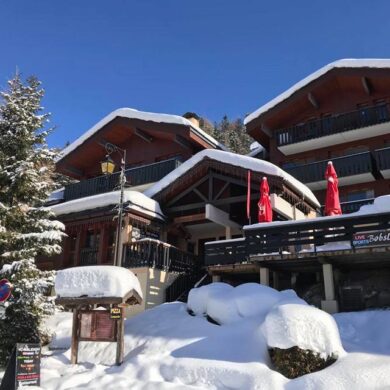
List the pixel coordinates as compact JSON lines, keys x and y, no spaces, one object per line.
{"x":97,"y":325}
{"x":116,"y":313}
{"x":23,"y":368}
{"x":378,"y":238}
{"x":5,"y":290}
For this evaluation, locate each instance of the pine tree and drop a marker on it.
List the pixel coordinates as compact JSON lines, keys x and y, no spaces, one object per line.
{"x":27,"y":228}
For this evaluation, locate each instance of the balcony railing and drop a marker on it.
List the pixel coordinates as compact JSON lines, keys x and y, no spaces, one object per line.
{"x":135,"y":176}
{"x":88,"y":256}
{"x":334,"y":124}
{"x":382,"y":157}
{"x":156,"y":254}
{"x":298,"y":238}
{"x":351,"y":165}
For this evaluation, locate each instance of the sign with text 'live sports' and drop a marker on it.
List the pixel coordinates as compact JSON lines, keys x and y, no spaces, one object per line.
{"x":378,"y":238}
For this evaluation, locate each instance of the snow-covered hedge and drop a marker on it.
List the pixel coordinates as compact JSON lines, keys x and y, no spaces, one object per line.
{"x":226,"y":304}
{"x":303,"y":326}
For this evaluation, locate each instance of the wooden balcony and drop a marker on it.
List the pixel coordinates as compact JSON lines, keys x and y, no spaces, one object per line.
{"x":155,"y":254}
{"x":295,"y":240}
{"x":135,"y":176}
{"x":382,"y":157}
{"x":352,"y":169}
{"x":330,"y":130}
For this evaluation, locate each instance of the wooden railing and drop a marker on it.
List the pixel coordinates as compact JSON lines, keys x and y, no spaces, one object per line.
{"x":382,"y":156}
{"x":354,"y":164}
{"x":156,"y":254}
{"x":296,"y":238}
{"x":135,"y":176}
{"x":333,"y":124}
{"x":89,"y":256}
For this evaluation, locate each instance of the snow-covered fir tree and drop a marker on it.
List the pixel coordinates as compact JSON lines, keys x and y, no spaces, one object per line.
{"x":27,"y":228}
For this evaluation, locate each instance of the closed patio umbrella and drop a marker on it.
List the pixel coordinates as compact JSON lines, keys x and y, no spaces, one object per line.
{"x":332,"y":201}
{"x":264,"y":204}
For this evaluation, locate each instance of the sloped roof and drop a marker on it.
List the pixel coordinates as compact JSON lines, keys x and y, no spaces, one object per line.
{"x":245,"y":162}
{"x":145,"y":116}
{"x":344,"y":63}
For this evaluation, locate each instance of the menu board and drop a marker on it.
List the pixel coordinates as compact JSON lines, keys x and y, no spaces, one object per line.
{"x":28,"y":363}
{"x":97,"y":325}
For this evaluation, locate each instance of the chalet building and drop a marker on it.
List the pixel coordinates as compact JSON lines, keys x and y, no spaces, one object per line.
{"x":339,"y":113}
{"x":183,"y":189}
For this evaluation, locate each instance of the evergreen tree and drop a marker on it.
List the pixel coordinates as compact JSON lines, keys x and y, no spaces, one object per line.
{"x":27,"y":228}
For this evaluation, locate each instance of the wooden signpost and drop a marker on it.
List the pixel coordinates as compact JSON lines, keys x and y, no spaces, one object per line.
{"x":23,"y":368}
{"x":105,"y":324}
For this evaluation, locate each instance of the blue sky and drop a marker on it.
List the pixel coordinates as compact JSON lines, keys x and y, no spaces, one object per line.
{"x":213,"y":57}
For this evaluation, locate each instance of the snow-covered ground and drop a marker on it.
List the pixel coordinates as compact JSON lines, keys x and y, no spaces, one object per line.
{"x":166,"y":348}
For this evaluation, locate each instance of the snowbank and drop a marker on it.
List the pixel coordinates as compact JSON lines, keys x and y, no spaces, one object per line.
{"x":253,"y":164}
{"x":165,"y":348}
{"x":96,"y":281}
{"x":226,"y":304}
{"x":133,"y":200}
{"x":303,"y":326}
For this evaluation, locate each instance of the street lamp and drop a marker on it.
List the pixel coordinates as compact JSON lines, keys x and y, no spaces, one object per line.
{"x":108,"y":167}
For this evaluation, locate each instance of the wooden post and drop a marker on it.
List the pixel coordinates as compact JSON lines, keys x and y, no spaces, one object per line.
{"x":75,"y":336}
{"x":120,"y":342}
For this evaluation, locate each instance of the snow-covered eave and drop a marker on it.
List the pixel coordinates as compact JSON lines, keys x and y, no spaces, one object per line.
{"x":245,"y":162}
{"x":133,"y":201}
{"x":140,"y":115}
{"x":343,"y":63}
{"x":310,"y":220}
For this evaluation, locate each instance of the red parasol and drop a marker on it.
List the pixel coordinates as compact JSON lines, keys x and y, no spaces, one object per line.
{"x":264,"y":204}
{"x":332,"y":201}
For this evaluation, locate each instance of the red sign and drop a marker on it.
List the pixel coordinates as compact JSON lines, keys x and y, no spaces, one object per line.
{"x":5,"y":290}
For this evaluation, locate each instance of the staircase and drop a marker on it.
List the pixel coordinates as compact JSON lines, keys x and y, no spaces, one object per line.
{"x":180,"y":288}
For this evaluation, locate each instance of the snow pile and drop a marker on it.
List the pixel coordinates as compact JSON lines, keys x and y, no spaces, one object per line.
{"x":246,"y":162}
{"x":96,"y":281}
{"x":380,"y":205}
{"x":303,"y":326}
{"x":226,"y":304}
{"x":198,"y":297}
{"x":133,"y":200}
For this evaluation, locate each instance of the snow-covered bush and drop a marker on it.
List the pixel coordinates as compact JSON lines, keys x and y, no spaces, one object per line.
{"x":301,"y":339}
{"x":226,"y":304}
{"x":29,"y":304}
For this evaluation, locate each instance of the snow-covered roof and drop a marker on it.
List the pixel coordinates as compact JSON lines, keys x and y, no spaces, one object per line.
{"x":96,"y":281}
{"x":245,"y":162}
{"x":344,"y":63}
{"x":145,"y":116}
{"x":134,"y":200}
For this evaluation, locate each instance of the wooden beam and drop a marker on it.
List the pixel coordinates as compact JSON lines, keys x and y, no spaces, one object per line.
{"x":141,"y":134}
{"x":221,"y":191}
{"x":187,"y":191}
{"x":366,"y":85}
{"x":189,"y":218}
{"x":218,"y":202}
{"x":182,"y":142}
{"x":313,"y":100}
{"x":211,"y":181}
{"x":201,"y":196}
{"x":242,"y":183}
{"x":75,"y":337}
{"x":120,"y":330}
{"x":72,"y":170}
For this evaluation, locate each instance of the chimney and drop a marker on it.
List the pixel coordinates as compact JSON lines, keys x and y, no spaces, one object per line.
{"x":192,"y":117}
